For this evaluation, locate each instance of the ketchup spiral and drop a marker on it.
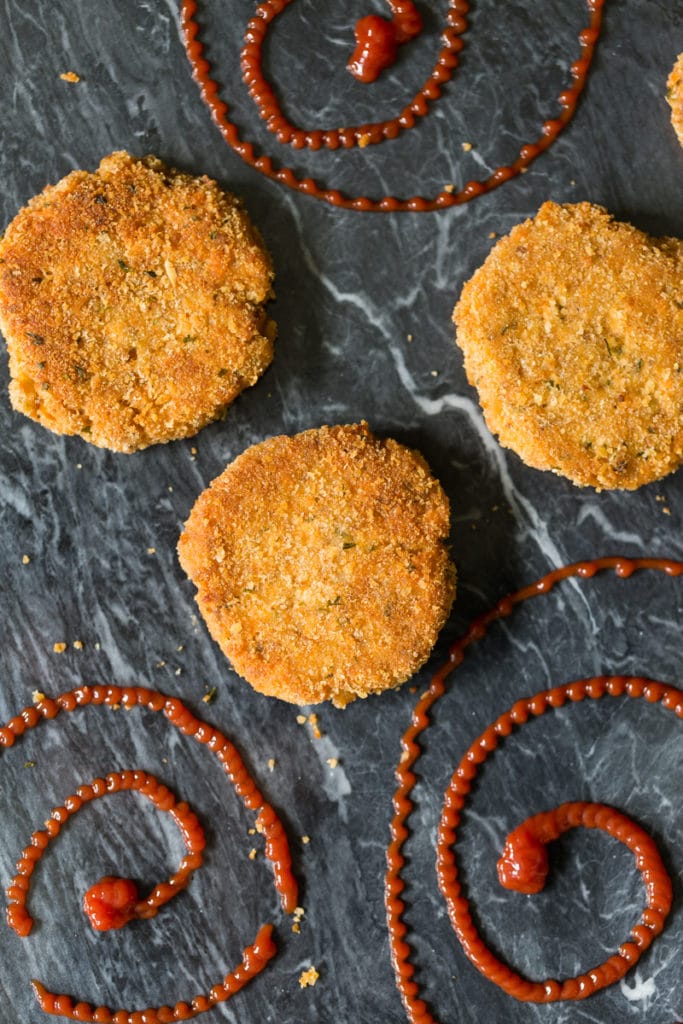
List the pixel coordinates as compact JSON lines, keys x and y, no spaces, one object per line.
{"x":113,"y":902}
{"x":287,"y":133}
{"x":523,"y":864}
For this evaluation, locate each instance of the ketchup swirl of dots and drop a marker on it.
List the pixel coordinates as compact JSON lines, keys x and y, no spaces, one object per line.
{"x":113,"y":902}
{"x":523,"y":865}
{"x":377,"y":42}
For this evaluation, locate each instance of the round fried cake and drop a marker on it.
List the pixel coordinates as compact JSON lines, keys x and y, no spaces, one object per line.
{"x":674,"y":96}
{"x":572,"y":332}
{"x":132,"y":303}
{"x":321,"y":565}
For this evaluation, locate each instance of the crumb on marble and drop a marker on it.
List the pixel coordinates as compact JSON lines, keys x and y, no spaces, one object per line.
{"x":308,"y":977}
{"x":493,"y":234}
{"x":301,"y":719}
{"x":59,"y":647}
{"x":296,"y":923}
{"x":29,"y":764}
{"x":70,"y":76}
{"x":151,"y":551}
{"x":25,"y":559}
{"x":467,"y":147}
{"x":210,"y":695}
{"x":253,"y":853}
{"x":332,"y":762}
{"x":180,"y":647}
{"x":450,"y":187}
{"x":409,"y":337}
{"x":313,"y":722}
{"x":666,"y":510}
{"x":37,"y":696}
{"x":271,"y":763}
{"x":305,"y":840}
{"x":251,"y":831}
{"x":160,"y":664}
{"x":78,"y":645}
{"x":97,"y":646}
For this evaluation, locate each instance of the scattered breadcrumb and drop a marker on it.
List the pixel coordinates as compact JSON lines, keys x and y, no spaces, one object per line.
{"x":271,"y":763}
{"x":449,"y":188}
{"x":333,"y":762}
{"x":37,"y":696}
{"x":25,"y":559}
{"x":160,"y":664}
{"x":59,"y":647}
{"x":666,"y":510}
{"x":151,"y":551}
{"x":178,"y":671}
{"x":305,"y":840}
{"x":409,"y":337}
{"x":492,"y":234}
{"x":210,"y":695}
{"x":252,"y":853}
{"x":308,"y":977}
{"x":296,"y":923}
{"x":313,"y":722}
{"x":70,"y":76}
{"x":301,"y":719}
{"x":29,"y":764}
{"x":78,"y":644}
{"x":251,"y":831}
{"x":467,"y":146}
{"x":180,"y":647}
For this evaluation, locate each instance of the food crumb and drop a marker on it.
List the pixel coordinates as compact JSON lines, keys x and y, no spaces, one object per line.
{"x":97,"y":646}
{"x":253,"y":853}
{"x":251,"y":831}
{"x":180,"y":647}
{"x":449,"y":188}
{"x":666,"y":510}
{"x":467,"y":146}
{"x":151,"y":551}
{"x":25,"y":559}
{"x":308,"y":977}
{"x":409,"y":337}
{"x":301,"y":719}
{"x":59,"y":647}
{"x":313,"y":722}
{"x":29,"y":764}
{"x":305,"y":840}
{"x":271,"y":763}
{"x":364,"y":140}
{"x":209,"y":695}
{"x":78,"y":644}
{"x":493,"y":234}
{"x":333,"y":762}
{"x":160,"y":664}
{"x":297,"y":915}
{"x":37,"y":696}
{"x":70,"y":76}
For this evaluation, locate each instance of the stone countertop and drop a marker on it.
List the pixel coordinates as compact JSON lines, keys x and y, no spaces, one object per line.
{"x":363,"y":307}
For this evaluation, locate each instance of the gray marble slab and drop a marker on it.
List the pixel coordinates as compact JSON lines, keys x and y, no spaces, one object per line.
{"x":363,"y":307}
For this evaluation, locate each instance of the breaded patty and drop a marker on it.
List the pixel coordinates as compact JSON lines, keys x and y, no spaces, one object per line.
{"x":321,"y":565}
{"x":572,"y":332}
{"x":674,"y":95}
{"x":132,"y":303}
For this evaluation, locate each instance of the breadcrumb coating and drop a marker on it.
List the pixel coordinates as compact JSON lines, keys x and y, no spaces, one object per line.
{"x":572,"y":332}
{"x":674,"y":95}
{"x":132,"y":303}
{"x":321,"y":565}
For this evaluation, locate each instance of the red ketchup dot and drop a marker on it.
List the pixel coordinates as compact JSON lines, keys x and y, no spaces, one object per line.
{"x":523,"y":866}
{"x":110,"y":903}
{"x":376,"y":48}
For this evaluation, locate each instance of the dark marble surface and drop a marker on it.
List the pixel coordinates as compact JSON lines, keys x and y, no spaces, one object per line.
{"x":363,"y":306}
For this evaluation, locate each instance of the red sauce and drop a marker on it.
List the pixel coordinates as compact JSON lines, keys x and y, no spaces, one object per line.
{"x":378,"y":39}
{"x":362,"y":135}
{"x":523,"y":864}
{"x":112,"y":902}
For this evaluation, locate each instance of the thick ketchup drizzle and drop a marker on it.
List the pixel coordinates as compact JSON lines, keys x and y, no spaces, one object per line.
{"x":378,"y":39}
{"x":111,"y":897}
{"x":523,"y":863}
{"x":362,"y":135}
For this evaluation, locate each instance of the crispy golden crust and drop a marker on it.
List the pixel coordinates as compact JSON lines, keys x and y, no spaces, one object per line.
{"x":320,"y":563}
{"x":131,"y":300}
{"x":674,"y":95}
{"x":572,"y":332}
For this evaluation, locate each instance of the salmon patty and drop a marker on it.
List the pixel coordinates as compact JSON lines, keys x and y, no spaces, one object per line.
{"x":321,"y":565}
{"x":572,"y":333}
{"x":132,"y":303}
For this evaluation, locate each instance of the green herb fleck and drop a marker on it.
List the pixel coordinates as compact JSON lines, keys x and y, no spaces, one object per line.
{"x":189,"y":339}
{"x":100,"y":199}
{"x":348,"y":544}
{"x":38,"y":338}
{"x":223,"y":372}
{"x":29,"y":764}
{"x":124,"y":266}
{"x":152,"y":273}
